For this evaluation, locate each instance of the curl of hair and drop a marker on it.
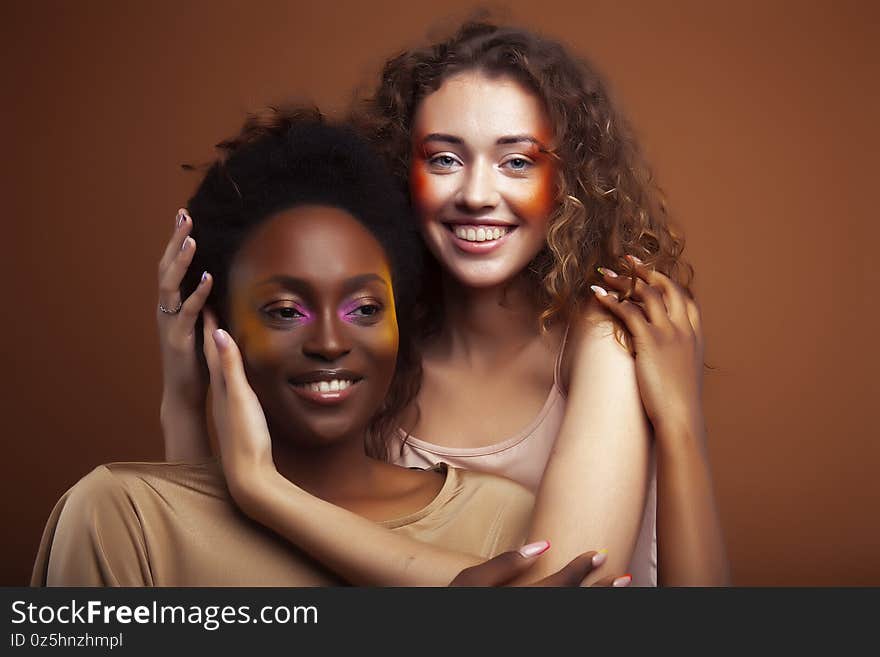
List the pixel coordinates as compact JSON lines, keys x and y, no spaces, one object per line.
{"x":287,"y":157}
{"x":608,"y":205}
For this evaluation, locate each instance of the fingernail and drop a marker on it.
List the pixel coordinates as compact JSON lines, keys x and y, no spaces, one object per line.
{"x":634,"y":259}
{"x":622,"y":581}
{"x":599,"y":557}
{"x":221,"y":338}
{"x":204,"y":277}
{"x":534,"y":549}
{"x":606,"y":272}
{"x":186,"y":243}
{"x":600,"y":291}
{"x":181,"y":217}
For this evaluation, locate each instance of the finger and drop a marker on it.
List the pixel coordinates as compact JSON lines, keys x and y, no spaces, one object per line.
{"x":218,"y":387}
{"x":640,"y":290}
{"x":694,"y":317}
{"x":189,"y":311}
{"x":613,"y":581}
{"x":674,"y":295}
{"x":503,"y":568}
{"x":182,"y":228}
{"x":630,"y":314}
{"x":231,"y":362}
{"x":576,"y":570}
{"x":171,"y":277}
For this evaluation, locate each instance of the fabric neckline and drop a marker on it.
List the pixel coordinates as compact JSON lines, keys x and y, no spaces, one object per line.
{"x":552,"y":399}
{"x":451,"y":479}
{"x":555,"y":395}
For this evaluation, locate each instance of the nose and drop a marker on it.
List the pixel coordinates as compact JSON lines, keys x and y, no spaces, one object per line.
{"x":327,"y":340}
{"x":478,"y":190}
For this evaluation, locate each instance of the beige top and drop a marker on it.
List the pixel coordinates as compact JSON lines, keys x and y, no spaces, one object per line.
{"x":174,"y":524}
{"x":523,"y":458}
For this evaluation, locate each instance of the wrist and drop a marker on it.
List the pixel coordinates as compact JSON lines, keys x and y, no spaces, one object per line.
{"x":684,"y":432}
{"x":252,"y":486}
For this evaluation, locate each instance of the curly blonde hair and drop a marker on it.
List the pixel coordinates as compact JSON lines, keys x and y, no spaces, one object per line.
{"x":608,"y":203}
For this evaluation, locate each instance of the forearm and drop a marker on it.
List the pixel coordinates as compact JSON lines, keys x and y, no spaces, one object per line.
{"x":689,"y":539}
{"x":591,"y":499}
{"x":185,"y":431}
{"x":358,"y":550}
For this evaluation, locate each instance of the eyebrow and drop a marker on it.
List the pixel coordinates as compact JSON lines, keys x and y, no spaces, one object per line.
{"x":501,"y":141}
{"x":295,"y":283}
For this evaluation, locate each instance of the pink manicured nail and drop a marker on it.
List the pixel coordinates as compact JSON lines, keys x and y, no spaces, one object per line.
{"x":622,"y":581}
{"x":634,"y":259}
{"x":606,"y":272}
{"x":181,"y":217}
{"x":221,"y":338}
{"x":204,"y":277}
{"x":599,"y":557}
{"x":186,"y":243}
{"x":534,"y":549}
{"x":600,"y":291}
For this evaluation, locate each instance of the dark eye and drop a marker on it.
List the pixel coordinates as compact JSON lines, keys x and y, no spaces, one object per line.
{"x":284,"y":313}
{"x":288,"y":313}
{"x":367,"y":310}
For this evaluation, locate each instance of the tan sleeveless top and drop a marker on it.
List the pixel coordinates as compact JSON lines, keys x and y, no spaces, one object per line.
{"x":523,"y":457}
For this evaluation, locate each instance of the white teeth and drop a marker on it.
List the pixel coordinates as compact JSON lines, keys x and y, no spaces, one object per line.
{"x":336,"y":385}
{"x":479,"y":233}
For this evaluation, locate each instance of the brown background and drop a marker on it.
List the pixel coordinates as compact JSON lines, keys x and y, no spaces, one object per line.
{"x":760,"y":119}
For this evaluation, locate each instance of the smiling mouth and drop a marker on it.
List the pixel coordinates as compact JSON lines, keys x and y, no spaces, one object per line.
{"x":479,"y":232}
{"x":479,"y":238}
{"x":334,"y":385}
{"x":325,"y":387}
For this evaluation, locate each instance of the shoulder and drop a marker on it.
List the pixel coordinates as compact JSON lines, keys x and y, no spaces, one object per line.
{"x":112,"y":487}
{"x":595,"y":345}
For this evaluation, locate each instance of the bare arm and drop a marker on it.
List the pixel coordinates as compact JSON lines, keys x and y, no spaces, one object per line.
{"x":667,"y":333}
{"x":357,"y":549}
{"x":594,"y":487}
{"x":184,"y":389}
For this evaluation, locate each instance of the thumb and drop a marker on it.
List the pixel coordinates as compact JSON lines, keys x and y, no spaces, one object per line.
{"x":212,"y":355}
{"x":230,"y":362}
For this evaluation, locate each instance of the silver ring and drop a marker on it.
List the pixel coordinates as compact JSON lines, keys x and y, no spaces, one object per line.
{"x":168,"y":311}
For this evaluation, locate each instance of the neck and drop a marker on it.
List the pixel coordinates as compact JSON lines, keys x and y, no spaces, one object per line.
{"x":331,"y":472}
{"x":483,"y":324}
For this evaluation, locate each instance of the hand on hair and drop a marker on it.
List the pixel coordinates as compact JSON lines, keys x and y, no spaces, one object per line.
{"x":503,"y":569}
{"x":242,"y":432}
{"x":184,"y":387}
{"x":667,"y":337}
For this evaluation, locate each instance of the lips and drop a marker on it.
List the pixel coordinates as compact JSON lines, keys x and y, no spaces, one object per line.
{"x":478,"y":236}
{"x":325,"y":386}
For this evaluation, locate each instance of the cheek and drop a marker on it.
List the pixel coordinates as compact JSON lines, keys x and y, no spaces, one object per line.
{"x":426,"y":194}
{"x":258,"y":348}
{"x":541,"y":201}
{"x":384,"y":342}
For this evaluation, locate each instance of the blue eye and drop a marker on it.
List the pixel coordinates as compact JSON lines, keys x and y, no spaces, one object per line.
{"x":518,"y":164}
{"x":443,"y":161}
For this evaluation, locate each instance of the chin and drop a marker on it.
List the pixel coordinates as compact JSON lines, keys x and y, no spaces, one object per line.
{"x":482,"y":275}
